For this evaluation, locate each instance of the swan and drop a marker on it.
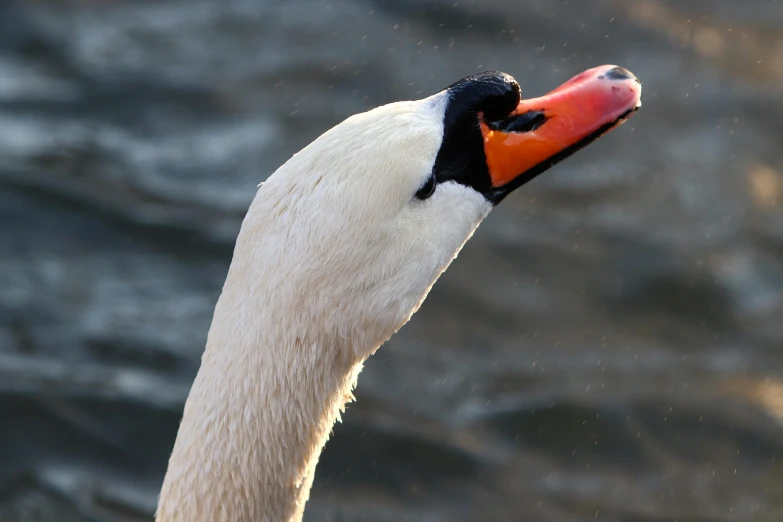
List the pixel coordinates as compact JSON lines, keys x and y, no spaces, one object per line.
{"x":338,"y":249}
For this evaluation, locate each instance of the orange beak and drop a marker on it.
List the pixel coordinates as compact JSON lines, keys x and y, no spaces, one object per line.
{"x":542,"y":131}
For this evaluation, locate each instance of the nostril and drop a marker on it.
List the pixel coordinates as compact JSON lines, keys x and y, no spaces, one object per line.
{"x":525,"y":122}
{"x":621,"y":73}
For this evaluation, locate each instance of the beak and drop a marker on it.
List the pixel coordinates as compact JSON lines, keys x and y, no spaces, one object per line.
{"x":540,"y":132}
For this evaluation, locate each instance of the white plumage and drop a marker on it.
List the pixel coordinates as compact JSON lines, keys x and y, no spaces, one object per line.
{"x":334,"y":256}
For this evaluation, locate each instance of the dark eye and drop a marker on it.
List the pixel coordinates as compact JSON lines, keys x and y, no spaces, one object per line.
{"x":428,"y":189}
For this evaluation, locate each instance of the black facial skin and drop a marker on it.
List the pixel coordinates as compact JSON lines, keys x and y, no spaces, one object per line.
{"x":461,"y":157}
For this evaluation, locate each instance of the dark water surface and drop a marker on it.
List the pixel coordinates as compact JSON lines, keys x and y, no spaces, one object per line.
{"x":609,"y":346}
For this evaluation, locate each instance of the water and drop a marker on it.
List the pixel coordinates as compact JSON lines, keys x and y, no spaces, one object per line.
{"x":606,"y":347}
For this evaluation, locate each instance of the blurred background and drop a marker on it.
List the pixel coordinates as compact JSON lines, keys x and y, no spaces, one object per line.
{"x":609,"y":345}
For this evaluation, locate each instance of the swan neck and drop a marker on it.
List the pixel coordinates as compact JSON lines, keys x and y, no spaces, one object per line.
{"x":260,"y":410}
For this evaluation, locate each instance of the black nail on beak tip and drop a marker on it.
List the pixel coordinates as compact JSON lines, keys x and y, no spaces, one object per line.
{"x":621,"y":73}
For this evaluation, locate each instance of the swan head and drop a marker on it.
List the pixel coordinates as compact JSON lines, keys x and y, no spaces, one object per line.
{"x":361,"y":222}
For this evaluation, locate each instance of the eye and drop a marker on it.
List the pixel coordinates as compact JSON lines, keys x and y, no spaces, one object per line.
{"x":428,"y":189}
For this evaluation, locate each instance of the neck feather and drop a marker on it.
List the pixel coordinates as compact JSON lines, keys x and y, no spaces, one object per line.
{"x":272,"y":382}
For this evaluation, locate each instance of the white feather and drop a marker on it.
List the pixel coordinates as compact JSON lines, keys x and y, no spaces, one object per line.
{"x":334,"y":256}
